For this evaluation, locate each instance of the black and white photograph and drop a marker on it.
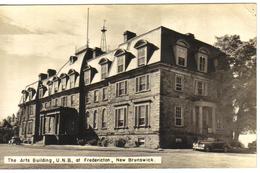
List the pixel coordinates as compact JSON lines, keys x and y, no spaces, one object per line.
{"x":139,"y":86}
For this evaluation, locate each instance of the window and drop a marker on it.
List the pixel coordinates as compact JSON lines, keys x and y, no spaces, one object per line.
{"x":29,"y":127}
{"x":95,"y":120}
{"x":104,"y":71}
{"x":96,"y":95}
{"x":72,"y":100}
{"x":121,"y":88}
{"x":72,"y":81}
{"x":141,"y":142}
{"x":179,"y":82}
{"x":41,"y":93}
{"x":64,"y":101}
{"x":49,"y":89}
{"x":141,"y":56}
{"x":142,"y":115}
{"x":86,"y":120}
{"x":104,"y":118}
{"x":178,"y":116}
{"x":120,"y":117}
{"x":202,"y":61}
{"x":104,"y":93}
{"x":30,"y":95}
{"x":201,"y":88}
{"x":63,"y":83}
{"x":56,"y":86}
{"x":23,"y":128}
{"x":142,"y":83}
{"x":87,"y":77}
{"x":181,"y":55}
{"x":30,"y":109}
{"x":121,"y":64}
{"x":87,"y":100}
{"x":55,"y":102}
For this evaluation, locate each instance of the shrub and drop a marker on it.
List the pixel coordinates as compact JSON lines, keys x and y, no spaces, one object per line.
{"x":120,"y":142}
{"x":92,"y":142}
{"x":81,"y":141}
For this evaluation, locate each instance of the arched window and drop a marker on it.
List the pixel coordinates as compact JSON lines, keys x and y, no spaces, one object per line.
{"x":104,"y":118}
{"x":95,"y":120}
{"x":202,"y":60}
{"x":181,"y":53}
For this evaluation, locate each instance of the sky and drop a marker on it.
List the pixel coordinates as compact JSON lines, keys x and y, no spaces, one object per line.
{"x":36,"y":38}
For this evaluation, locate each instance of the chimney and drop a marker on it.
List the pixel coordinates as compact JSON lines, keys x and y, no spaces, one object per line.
{"x":97,"y":52}
{"x":51,"y":72}
{"x":128,"y":35}
{"x":190,"y":35}
{"x":42,"y":76}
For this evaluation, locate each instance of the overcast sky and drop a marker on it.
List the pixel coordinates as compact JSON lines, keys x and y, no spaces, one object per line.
{"x":35,"y":38}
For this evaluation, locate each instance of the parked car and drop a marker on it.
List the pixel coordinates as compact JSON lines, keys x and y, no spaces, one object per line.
{"x":211,"y":144}
{"x":15,"y":140}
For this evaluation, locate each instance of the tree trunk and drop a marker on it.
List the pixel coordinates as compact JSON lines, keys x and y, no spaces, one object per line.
{"x":237,"y":129}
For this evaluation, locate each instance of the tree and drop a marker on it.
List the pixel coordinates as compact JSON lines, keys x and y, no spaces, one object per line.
{"x":240,"y":83}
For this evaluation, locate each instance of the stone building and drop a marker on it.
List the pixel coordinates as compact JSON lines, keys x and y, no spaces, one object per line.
{"x":157,"y":89}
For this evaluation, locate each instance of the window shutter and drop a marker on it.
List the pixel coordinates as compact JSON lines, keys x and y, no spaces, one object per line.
{"x":148,"y":82}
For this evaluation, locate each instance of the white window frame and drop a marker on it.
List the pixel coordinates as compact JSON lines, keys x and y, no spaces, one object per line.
{"x":118,"y":87}
{"x":41,"y":93}
{"x":177,"y":49}
{"x":104,"y":119}
{"x":64,"y":101}
{"x":178,"y":117}
{"x":105,"y":94}
{"x":179,"y":85}
{"x":123,"y":63}
{"x":144,"y":48}
{"x":72,"y":81}
{"x":138,"y":84}
{"x":95,"y":119}
{"x":146,"y":116}
{"x":63,"y":83}
{"x":125,"y":115}
{"x":87,"y":77}
{"x":56,"y":86}
{"x":96,"y":96}
{"x":104,"y":71}
{"x":202,"y":67}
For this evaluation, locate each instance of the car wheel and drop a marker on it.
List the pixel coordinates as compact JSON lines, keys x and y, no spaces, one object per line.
{"x":225,"y":149}
{"x":207,"y":149}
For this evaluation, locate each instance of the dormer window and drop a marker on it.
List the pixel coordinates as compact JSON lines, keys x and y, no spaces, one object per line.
{"x":145,"y":50}
{"x":123,"y":59}
{"x":41,"y":92}
{"x":202,"y":60}
{"x":87,"y":77}
{"x":64,"y":78}
{"x":50,"y":84}
{"x":141,"y":56}
{"x":181,"y":53}
{"x":121,"y":64}
{"x":63,"y":83}
{"x":56,"y":84}
{"x":72,"y":77}
{"x":105,"y":63}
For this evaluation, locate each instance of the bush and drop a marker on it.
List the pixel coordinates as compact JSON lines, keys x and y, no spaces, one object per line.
{"x":237,"y":144}
{"x":120,"y":142}
{"x":81,"y":141}
{"x":93,"y":142}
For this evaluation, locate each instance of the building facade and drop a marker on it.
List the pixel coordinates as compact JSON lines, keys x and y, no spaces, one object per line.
{"x":157,"y":89}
